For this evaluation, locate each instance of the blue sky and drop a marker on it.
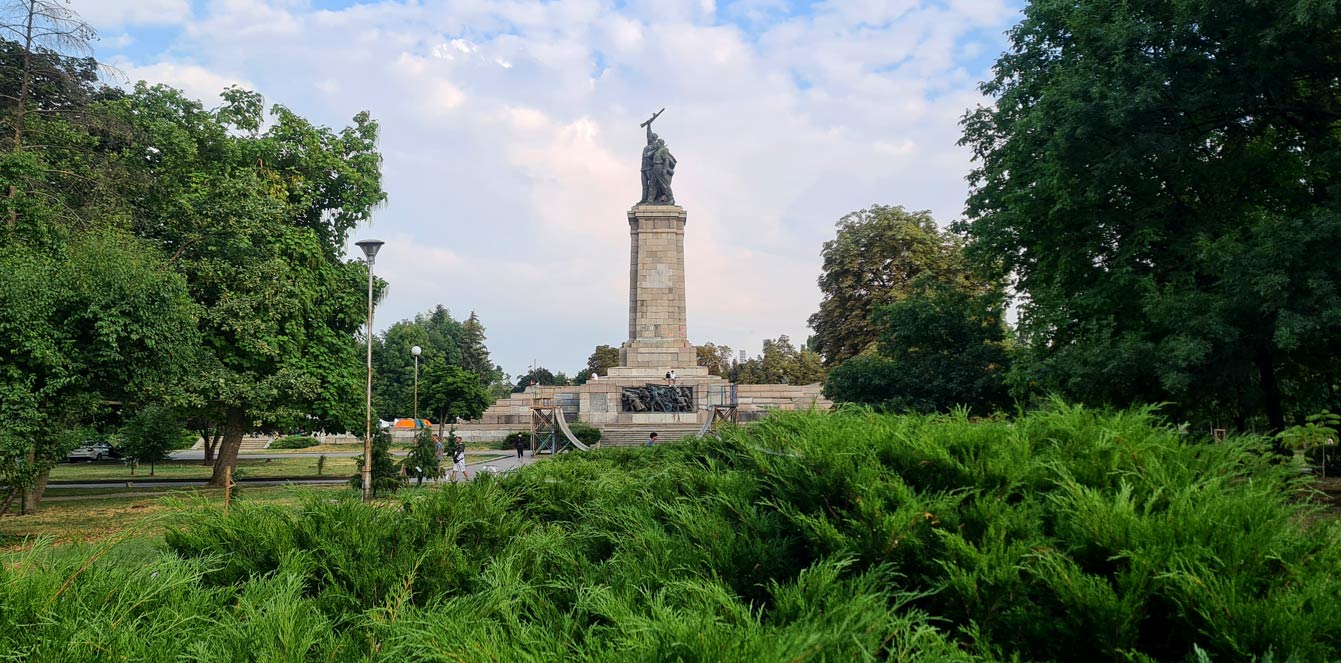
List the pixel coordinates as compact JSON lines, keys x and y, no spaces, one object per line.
{"x":511,"y":141}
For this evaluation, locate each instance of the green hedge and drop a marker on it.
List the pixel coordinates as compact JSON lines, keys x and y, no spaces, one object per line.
{"x":294,"y":442}
{"x":1066,"y":535}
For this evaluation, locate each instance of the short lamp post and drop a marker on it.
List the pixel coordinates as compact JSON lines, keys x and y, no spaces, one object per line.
{"x":370,"y":248}
{"x":416,"y":351}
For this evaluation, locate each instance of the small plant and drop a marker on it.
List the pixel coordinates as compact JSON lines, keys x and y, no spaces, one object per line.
{"x":422,"y":460}
{"x":1318,"y":430}
{"x":585,"y":433}
{"x":151,"y":435}
{"x":386,"y":476}
{"x":510,"y":442}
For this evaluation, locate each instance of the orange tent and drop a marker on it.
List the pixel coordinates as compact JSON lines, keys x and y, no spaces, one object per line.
{"x":410,"y":423}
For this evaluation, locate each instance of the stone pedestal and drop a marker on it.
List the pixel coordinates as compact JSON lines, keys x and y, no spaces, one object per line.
{"x":658,"y":340}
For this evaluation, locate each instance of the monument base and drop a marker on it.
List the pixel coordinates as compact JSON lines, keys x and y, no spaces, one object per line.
{"x":658,"y":355}
{"x":657,"y":375}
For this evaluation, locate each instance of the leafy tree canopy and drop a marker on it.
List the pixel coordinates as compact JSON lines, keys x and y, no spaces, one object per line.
{"x":717,"y":358}
{"x":152,"y":434}
{"x":939,"y":348}
{"x":448,"y":392}
{"x":1159,"y":178}
{"x":781,"y":363}
{"x":256,"y":219}
{"x":602,"y":359}
{"x":93,"y":323}
{"x":877,"y":253}
{"x":540,"y":375}
{"x":440,"y":338}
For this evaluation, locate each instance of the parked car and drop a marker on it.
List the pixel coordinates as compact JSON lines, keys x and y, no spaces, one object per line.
{"x":93,"y":451}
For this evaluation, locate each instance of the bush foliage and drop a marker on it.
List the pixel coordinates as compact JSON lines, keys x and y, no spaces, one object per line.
{"x":294,"y":442}
{"x":1065,"y":535}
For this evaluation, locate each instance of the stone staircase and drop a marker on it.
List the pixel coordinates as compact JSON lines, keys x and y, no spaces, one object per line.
{"x":249,"y":443}
{"x":630,"y":435}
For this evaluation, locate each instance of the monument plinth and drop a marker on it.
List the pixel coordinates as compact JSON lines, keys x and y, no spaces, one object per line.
{"x":658,"y":338}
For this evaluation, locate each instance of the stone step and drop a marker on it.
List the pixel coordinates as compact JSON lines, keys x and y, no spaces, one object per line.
{"x":627,"y":436}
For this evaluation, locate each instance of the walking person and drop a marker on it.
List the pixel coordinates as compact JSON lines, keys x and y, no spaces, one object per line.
{"x":520,"y":445}
{"x":651,"y":440}
{"x":459,"y":461}
{"x":437,"y":455}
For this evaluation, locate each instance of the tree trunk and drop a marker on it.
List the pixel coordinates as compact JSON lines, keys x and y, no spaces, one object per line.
{"x":33,"y":497}
{"x":210,"y":436}
{"x":21,"y":109}
{"x":151,"y":469}
{"x":1266,"y":369}
{"x":9,"y":499}
{"x":234,"y":420}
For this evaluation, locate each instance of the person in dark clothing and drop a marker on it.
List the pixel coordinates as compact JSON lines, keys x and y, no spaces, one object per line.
{"x":520,"y":444}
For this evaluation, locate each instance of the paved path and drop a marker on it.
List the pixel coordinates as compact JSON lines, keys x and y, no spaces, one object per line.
{"x":484,"y":461}
{"x":197,"y":454}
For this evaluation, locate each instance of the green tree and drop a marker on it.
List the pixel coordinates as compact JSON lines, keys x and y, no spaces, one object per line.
{"x":151,"y":435}
{"x":541,"y":375}
{"x":422,"y":461}
{"x":602,"y":359}
{"x":876,"y":254}
{"x":98,"y":321}
{"x":448,"y":392}
{"x":440,"y":337}
{"x":475,"y":354}
{"x":254,"y":209}
{"x":940,"y":347}
{"x":50,"y":43}
{"x":717,"y":358}
{"x":781,"y":363}
{"x":1159,"y":180}
{"x":386,"y":477}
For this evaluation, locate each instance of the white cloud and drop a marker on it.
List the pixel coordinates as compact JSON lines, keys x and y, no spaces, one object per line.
{"x":196,"y":81}
{"x":107,"y":14}
{"x":511,"y":141}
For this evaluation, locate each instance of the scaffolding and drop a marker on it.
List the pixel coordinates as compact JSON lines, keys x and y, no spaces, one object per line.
{"x":550,"y":432}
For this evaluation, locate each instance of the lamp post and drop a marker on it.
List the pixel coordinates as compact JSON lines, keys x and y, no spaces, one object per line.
{"x":370,"y":248}
{"x":416,"y":351}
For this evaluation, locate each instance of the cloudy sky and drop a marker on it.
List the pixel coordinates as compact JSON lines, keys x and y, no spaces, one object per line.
{"x":511,"y":140}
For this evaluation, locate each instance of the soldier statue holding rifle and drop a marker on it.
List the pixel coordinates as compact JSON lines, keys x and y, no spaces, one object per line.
{"x":658,"y":168}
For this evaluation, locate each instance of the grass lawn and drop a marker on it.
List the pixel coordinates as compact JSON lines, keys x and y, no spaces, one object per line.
{"x":319,"y":449}
{"x":136,"y":515}
{"x":251,"y":468}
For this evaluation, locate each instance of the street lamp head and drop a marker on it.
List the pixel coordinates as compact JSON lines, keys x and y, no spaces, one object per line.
{"x":416,"y":351}
{"x":370,"y":248}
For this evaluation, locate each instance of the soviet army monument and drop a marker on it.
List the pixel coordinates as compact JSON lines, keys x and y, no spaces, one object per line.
{"x":634,"y":398}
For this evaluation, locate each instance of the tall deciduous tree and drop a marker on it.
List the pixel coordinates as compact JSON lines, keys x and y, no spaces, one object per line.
{"x":255,"y":210}
{"x":602,"y":359}
{"x":1160,"y":178}
{"x":448,"y":392}
{"x":441,"y":338}
{"x":48,"y":41}
{"x":99,"y":320}
{"x":717,"y":358}
{"x":941,"y":347}
{"x":540,"y":375}
{"x":781,"y":363}
{"x":877,"y":253}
